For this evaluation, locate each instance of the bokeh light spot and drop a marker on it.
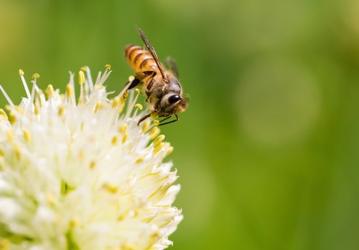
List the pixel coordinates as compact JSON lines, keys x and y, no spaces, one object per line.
{"x":278,"y":102}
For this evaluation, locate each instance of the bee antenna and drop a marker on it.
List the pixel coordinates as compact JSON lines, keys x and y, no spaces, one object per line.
{"x":152,"y":51}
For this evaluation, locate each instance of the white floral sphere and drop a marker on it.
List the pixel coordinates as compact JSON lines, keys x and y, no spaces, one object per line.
{"x":82,"y":174}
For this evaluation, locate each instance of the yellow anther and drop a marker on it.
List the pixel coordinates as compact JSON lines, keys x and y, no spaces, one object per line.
{"x":114,"y":140}
{"x":61,"y":111}
{"x":121,"y":217}
{"x":108,"y":66}
{"x":121,"y":107}
{"x":138,"y":91}
{"x":169,"y":150}
{"x":138,"y":106}
{"x":123,"y":128}
{"x":145,"y":126}
{"x":155,"y":131}
{"x":152,"y":240}
{"x":98,"y":106}
{"x":2,"y":153}
{"x":124,"y":137}
{"x":110,"y":188}
{"x":159,"y":139}
{"x":81,"y":77}
{"x":36,"y":109}
{"x":156,"y":122}
{"x":21,"y":72}
{"x":35,"y":76}
{"x":50,"y":91}
{"x":26,"y":135}
{"x":84,"y":68}
{"x":115,"y":102}
{"x":3,"y":114}
{"x":139,"y":160}
{"x":37,"y":106}
{"x":92,"y":165}
{"x":124,"y":97}
{"x":69,"y":90}
{"x":12,"y":118}
{"x":17,"y":152}
{"x":158,"y":147}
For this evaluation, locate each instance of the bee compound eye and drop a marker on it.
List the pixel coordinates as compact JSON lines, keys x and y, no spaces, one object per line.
{"x":174,"y":98}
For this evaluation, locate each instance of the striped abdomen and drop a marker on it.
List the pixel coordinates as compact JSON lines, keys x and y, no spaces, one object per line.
{"x":140,"y":59}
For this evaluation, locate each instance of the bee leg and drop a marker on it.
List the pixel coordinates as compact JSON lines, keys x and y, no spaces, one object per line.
{"x":164,"y":123}
{"x":149,"y":73}
{"x":133,"y":83}
{"x":164,"y":119}
{"x":143,"y":118}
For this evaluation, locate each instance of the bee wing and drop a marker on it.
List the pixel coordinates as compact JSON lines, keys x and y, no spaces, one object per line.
{"x":152,"y":51}
{"x":172,"y":66}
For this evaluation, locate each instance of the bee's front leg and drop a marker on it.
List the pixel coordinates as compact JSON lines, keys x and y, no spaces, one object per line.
{"x":143,"y":118}
{"x":166,"y":118}
{"x":133,"y":81}
{"x":141,"y":75}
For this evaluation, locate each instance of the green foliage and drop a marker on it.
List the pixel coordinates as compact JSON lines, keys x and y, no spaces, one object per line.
{"x":267,"y":151}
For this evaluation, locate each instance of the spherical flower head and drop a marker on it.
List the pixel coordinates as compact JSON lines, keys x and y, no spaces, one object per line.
{"x":81,"y":174}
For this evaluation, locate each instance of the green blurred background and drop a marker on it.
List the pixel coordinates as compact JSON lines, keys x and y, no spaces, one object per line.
{"x":267,"y":152}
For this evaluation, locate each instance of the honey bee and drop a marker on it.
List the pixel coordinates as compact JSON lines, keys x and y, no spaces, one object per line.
{"x":160,"y":84}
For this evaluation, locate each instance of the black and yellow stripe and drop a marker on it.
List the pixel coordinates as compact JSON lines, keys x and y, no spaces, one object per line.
{"x":140,"y":59}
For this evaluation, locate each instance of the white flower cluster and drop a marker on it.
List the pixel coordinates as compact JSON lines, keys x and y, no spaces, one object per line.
{"x":81,"y":174}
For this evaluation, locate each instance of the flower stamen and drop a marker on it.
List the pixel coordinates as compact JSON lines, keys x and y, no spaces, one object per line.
{"x":82,"y":172}
{"x":26,"y":87}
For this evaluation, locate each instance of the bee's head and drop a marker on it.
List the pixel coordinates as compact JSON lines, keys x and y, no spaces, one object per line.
{"x":172,"y":103}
